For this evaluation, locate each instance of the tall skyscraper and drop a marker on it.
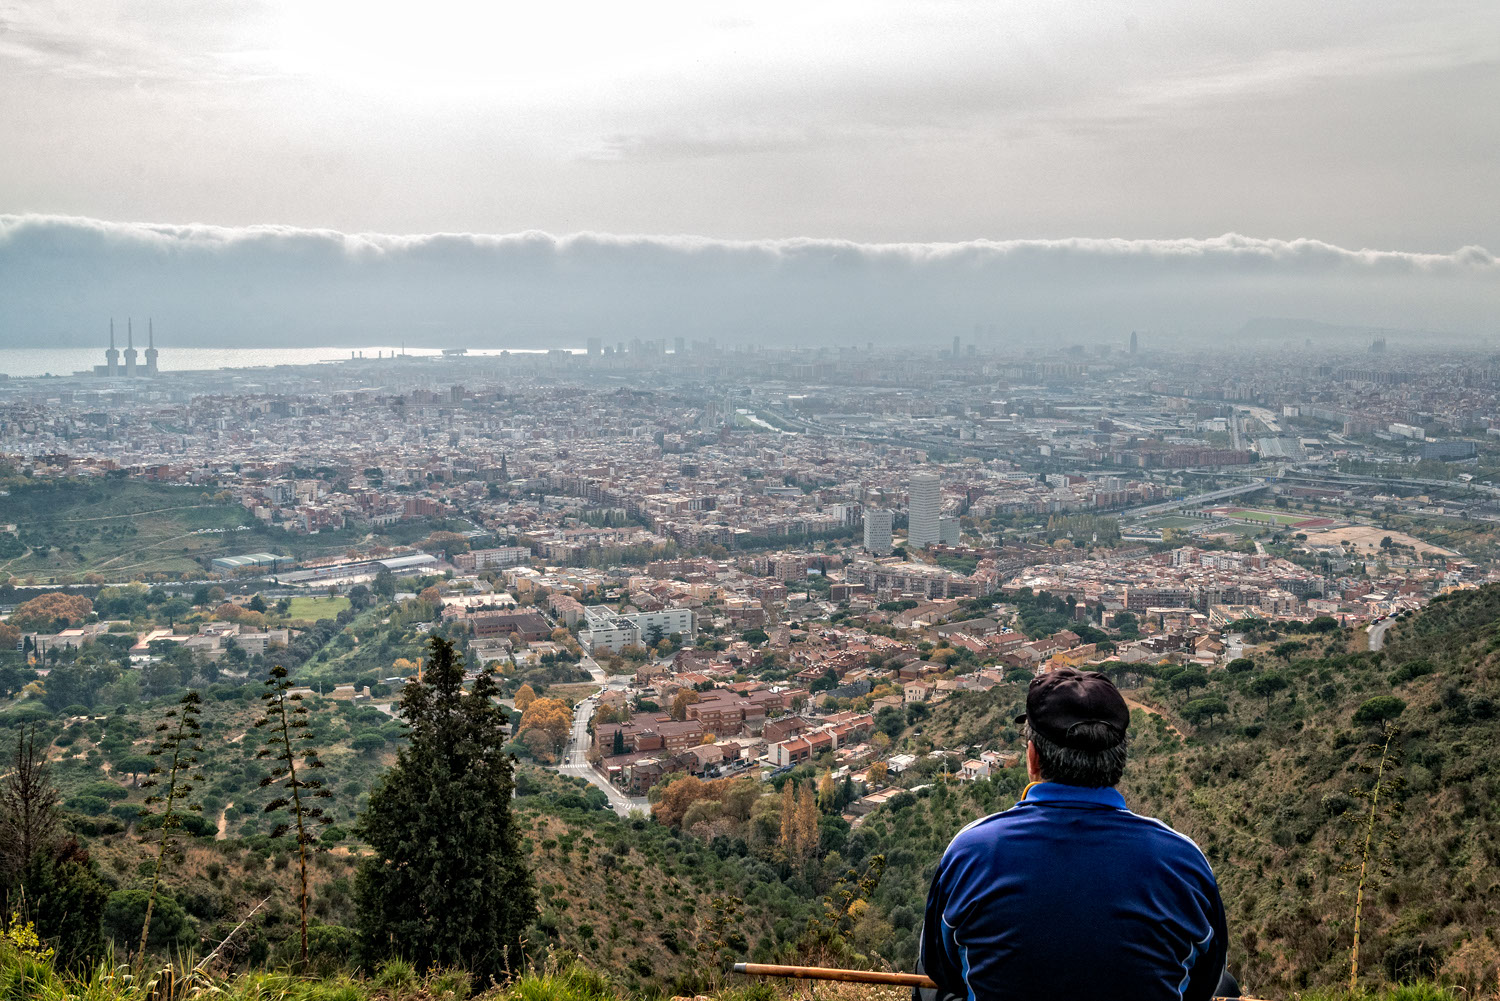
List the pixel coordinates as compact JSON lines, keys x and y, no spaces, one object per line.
{"x":1134,"y":343}
{"x":878,"y":530}
{"x":924,"y":501}
{"x":112,"y":356}
{"x":955,"y":346}
{"x":150,"y":349}
{"x":596,"y":347}
{"x":130,"y":352}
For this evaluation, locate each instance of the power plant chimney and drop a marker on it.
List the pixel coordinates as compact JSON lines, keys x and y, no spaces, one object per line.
{"x":150,"y":349}
{"x":112,"y":356}
{"x":129,"y":351}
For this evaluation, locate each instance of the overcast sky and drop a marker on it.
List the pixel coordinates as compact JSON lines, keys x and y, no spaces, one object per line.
{"x":1364,"y":125}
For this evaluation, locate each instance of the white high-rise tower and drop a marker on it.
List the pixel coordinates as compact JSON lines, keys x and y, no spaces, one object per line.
{"x":878,"y":530}
{"x":924,"y":502}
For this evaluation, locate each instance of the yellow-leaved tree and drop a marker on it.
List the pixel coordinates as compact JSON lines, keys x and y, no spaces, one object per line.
{"x":807,"y":823}
{"x":551,"y":717}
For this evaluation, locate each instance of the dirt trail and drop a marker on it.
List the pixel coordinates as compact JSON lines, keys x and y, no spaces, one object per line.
{"x":223,"y":821}
{"x":1152,"y":711}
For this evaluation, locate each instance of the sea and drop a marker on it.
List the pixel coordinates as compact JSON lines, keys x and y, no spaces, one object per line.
{"x":22,"y":363}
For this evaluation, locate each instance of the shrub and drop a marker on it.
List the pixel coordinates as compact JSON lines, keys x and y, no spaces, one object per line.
{"x":104,"y":790}
{"x":1410,"y":671}
{"x":125,"y":912}
{"x":572,"y":983}
{"x":91,"y":805}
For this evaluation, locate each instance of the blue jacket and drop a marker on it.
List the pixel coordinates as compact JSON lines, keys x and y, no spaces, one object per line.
{"x":1069,"y":895}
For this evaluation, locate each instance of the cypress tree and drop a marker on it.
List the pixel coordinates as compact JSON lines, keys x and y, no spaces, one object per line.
{"x":447,"y":884}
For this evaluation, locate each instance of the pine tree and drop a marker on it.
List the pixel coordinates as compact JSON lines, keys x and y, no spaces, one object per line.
{"x":28,"y":805}
{"x":180,"y":732}
{"x":282,"y":748}
{"x":447,"y":883}
{"x":619,"y":744}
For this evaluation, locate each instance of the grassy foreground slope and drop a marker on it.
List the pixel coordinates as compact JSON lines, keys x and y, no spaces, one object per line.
{"x":26,"y":977}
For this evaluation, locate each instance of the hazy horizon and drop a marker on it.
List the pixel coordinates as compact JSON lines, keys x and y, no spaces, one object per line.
{"x":62,"y":278}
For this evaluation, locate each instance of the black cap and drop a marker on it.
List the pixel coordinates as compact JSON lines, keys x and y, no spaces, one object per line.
{"x":1059,"y":702}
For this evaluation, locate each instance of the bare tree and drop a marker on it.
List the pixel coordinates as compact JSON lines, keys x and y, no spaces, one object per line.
{"x":28,"y":805}
{"x":284,"y":715}
{"x":180,"y":733}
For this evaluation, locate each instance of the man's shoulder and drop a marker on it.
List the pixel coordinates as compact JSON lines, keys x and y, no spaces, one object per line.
{"x":1155,"y":836}
{"x":1155,"y":827}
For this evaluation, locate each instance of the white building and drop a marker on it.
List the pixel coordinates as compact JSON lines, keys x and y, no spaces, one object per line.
{"x":491,"y":559}
{"x":948,"y":531}
{"x":924,"y":502}
{"x":668,"y":621}
{"x":1408,"y":431}
{"x":878,"y":531}
{"x":607,"y":629}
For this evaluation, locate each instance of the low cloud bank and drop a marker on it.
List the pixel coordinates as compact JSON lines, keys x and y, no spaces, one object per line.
{"x":61,"y":278}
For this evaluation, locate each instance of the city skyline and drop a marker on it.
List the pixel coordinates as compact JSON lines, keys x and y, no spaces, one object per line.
{"x":679,"y":466}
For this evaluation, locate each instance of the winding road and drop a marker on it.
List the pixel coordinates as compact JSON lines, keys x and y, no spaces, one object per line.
{"x":575,"y":757}
{"x":575,"y":760}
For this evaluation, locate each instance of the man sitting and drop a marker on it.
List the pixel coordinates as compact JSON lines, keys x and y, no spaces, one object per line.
{"x":1068,"y":895}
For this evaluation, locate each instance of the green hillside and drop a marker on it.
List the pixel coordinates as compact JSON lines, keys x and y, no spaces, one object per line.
{"x":66,"y":529}
{"x":1275,"y":788}
{"x":126,"y":528}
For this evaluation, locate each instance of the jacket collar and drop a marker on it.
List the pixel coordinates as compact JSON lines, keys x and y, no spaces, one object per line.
{"x":1056,"y":792}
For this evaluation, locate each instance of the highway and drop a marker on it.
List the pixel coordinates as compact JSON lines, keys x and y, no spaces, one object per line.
{"x":1333,"y":476}
{"x":1182,"y":502}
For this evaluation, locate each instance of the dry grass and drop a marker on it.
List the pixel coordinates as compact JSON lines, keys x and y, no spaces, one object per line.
{"x":1366,"y":539}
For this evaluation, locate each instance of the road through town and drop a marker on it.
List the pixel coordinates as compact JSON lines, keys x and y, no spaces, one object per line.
{"x":575,"y":761}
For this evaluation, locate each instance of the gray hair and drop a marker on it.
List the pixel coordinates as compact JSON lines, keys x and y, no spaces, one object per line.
{"x":1073,"y":767}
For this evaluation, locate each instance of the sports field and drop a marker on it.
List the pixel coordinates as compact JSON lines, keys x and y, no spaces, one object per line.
{"x":313,"y":609}
{"x":1173,"y":521}
{"x":1272,"y":517}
